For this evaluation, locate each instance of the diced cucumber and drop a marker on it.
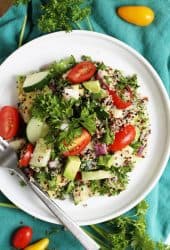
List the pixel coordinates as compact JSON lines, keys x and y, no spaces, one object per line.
{"x":26,"y":99}
{"x":95,"y":88}
{"x":36,"y":129}
{"x":137,"y":134}
{"x":41,"y":154}
{"x":58,"y":68}
{"x":96,"y":175}
{"x":36,"y":81}
{"x":81,"y":193}
{"x":92,"y":86}
{"x":70,"y":187}
{"x":106,"y":160}
{"x":72,"y":167}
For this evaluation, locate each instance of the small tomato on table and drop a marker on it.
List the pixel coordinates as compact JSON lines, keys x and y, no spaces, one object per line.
{"x":138,"y":15}
{"x":9,"y":122}
{"x":22,"y":237}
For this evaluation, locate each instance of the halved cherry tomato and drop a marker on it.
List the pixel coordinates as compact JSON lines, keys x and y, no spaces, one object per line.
{"x":118,"y":101}
{"x":26,"y":155}
{"x":83,"y":71}
{"x":123,"y":138}
{"x":9,"y":122}
{"x":78,"y":144}
{"x":22,"y":237}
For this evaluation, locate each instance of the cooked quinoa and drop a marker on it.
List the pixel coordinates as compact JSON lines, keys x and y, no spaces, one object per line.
{"x":98,"y":109}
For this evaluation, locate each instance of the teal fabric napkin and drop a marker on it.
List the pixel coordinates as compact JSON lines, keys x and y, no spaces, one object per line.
{"x":153,"y":42}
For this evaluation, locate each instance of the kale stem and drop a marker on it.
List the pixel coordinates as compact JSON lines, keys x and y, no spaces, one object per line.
{"x":98,"y":240}
{"x":22,"y":31}
{"x":3,"y":204}
{"x":89,"y":23}
{"x":79,"y":26}
{"x":99,"y":230}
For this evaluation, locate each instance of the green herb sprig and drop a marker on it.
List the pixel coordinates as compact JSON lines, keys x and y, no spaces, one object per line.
{"x":52,"y":108}
{"x":109,"y":136}
{"x":88,"y":120}
{"x":59,"y":15}
{"x":56,"y":111}
{"x":62,"y":15}
{"x":128,"y":81}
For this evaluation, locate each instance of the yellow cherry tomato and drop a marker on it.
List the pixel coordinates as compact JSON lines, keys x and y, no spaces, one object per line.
{"x":138,"y":15}
{"x":39,"y":245}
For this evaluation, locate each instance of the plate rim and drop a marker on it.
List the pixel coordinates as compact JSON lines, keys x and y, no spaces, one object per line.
{"x":165,"y":98}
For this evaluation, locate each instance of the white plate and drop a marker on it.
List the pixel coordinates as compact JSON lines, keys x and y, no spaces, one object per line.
{"x":55,"y":46}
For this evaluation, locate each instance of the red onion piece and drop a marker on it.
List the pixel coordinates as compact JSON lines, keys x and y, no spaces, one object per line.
{"x":140,"y":151}
{"x":100,"y":149}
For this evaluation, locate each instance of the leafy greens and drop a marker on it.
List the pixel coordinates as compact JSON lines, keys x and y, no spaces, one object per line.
{"x":126,"y":232}
{"x":61,"y":14}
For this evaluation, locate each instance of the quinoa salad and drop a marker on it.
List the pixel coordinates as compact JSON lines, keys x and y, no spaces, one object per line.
{"x":83,"y":128}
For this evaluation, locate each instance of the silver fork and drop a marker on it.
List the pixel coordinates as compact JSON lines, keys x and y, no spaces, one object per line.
{"x":8,"y":159}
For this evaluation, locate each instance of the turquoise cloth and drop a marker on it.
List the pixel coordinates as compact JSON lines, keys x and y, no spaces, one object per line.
{"x":153,"y":42}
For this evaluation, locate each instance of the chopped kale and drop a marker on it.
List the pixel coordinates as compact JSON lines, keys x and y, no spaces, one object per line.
{"x":88,"y":120}
{"x":109,"y":135}
{"x":101,"y":113}
{"x":101,"y":66}
{"x":58,"y":68}
{"x":125,"y":81}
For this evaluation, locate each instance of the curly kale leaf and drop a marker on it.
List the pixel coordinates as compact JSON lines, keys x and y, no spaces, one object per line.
{"x":126,"y":233}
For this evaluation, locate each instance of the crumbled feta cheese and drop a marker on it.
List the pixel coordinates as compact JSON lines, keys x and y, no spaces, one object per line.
{"x":64,"y":126}
{"x":71,"y":93}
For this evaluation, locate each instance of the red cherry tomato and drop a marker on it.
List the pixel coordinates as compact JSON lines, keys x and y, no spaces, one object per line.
{"x":123,"y":138}
{"x":78,"y":144}
{"x":118,"y":101}
{"x":26,"y":155}
{"x":22,"y":237}
{"x":9,"y":122}
{"x":83,"y":71}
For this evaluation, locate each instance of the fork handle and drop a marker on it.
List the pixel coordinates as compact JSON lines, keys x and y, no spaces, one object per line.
{"x":85,"y":240}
